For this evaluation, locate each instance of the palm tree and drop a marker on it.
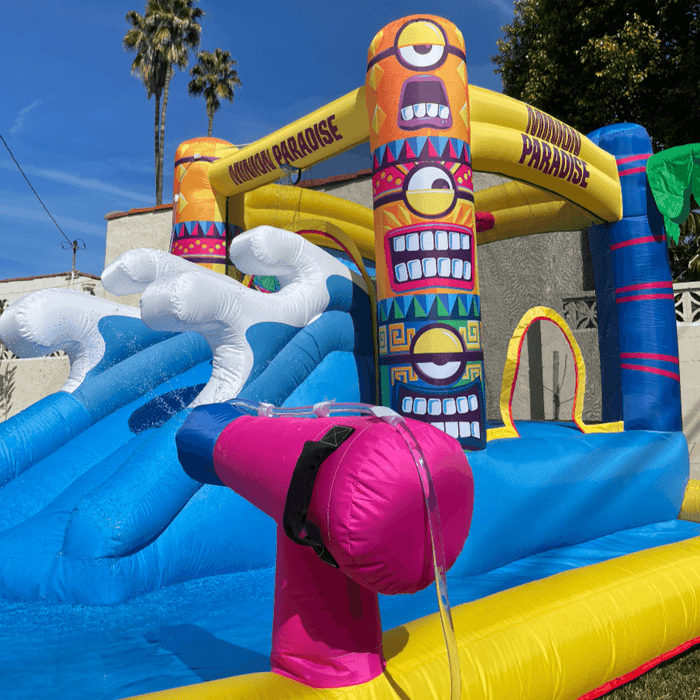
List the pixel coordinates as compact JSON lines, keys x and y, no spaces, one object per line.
{"x":161,"y":39}
{"x":214,"y":76}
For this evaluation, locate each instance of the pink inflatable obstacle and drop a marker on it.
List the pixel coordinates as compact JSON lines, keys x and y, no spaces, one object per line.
{"x":349,"y":488}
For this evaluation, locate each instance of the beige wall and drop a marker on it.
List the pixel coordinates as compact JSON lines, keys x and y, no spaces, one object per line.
{"x":689,"y":353}
{"x":149,"y":229}
{"x":12,"y":290}
{"x":358,"y":191}
{"x":24,"y":382}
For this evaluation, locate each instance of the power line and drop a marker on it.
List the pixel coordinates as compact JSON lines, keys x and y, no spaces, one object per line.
{"x":35,"y":193}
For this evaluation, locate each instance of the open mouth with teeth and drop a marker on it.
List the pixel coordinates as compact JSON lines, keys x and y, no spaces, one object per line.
{"x":424,"y":103}
{"x":457,"y":412}
{"x":421,"y":256}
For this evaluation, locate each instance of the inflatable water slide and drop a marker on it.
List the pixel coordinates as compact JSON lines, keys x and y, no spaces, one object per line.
{"x":272,"y":408}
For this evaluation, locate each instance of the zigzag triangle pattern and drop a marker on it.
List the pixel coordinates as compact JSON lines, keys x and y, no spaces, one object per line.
{"x":429,"y":307}
{"x":421,"y":148}
{"x":199,"y":229}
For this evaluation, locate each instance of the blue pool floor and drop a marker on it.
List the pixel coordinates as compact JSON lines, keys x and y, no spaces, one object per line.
{"x":217,"y":627}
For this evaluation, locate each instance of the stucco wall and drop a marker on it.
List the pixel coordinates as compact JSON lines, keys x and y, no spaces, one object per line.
{"x":689,"y":353}
{"x":136,"y":229}
{"x":24,"y":382}
{"x":14,"y":289}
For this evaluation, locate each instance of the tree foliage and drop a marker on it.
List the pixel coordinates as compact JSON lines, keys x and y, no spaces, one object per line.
{"x":215,"y":77}
{"x":592,"y":63}
{"x":162,"y":38}
{"x":685,"y":255}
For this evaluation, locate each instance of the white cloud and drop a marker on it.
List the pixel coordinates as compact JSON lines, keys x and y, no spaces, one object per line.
{"x":65,"y":223}
{"x":80,"y":182}
{"x":134,"y":165}
{"x":19,"y":119}
{"x":504,"y":5}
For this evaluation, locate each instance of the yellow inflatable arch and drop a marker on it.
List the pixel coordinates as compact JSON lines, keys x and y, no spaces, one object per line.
{"x":562,"y":181}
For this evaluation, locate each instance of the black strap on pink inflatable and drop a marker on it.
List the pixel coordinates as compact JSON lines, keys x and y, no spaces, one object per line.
{"x":296,"y":507}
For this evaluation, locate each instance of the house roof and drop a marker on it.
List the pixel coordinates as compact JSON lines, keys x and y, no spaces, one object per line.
{"x":144,"y":210}
{"x":77,"y":273}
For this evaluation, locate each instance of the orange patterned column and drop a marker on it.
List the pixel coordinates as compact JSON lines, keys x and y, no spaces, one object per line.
{"x":200,"y":230}
{"x":431,"y":359}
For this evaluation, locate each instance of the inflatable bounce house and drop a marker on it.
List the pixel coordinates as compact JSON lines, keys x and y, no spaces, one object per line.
{"x":268,"y":374}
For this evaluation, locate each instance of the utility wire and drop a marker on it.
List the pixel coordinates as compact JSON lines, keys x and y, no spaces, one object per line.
{"x":35,"y":193}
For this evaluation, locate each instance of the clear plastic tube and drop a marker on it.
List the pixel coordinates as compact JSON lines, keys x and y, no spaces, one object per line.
{"x":328,"y":408}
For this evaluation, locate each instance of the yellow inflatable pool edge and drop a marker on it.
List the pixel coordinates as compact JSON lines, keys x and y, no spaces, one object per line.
{"x":690,"y":508}
{"x":559,"y":637}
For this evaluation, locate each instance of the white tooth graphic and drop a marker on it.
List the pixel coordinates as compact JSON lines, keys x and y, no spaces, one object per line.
{"x":429,"y":267}
{"x":407,"y":404}
{"x":419,"y":406}
{"x":419,"y":110}
{"x":467,"y":274}
{"x":414,"y":269}
{"x":439,"y":426}
{"x":473,"y":402}
{"x":427,"y":242}
{"x":449,"y":407}
{"x":455,"y":243}
{"x":444,"y":112}
{"x":412,"y":241}
{"x":401,"y":273}
{"x":466,"y":243}
{"x":451,"y":428}
{"x":462,"y":405}
{"x":476,"y":432}
{"x":464,"y":429}
{"x":434,"y":407}
{"x":407,"y":113}
{"x":400,"y":244}
{"x":444,"y":267}
{"x":441,"y":240}
{"x":457,"y":268}
{"x":432,"y":109}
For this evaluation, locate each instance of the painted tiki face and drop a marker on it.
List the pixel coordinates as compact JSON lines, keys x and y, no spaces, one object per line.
{"x":422,"y":177}
{"x":431,"y":362}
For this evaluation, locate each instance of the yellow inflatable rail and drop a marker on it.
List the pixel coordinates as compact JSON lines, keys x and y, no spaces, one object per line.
{"x":508,"y":137}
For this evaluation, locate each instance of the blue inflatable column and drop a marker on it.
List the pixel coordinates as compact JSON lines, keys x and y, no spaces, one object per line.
{"x":636,"y":312}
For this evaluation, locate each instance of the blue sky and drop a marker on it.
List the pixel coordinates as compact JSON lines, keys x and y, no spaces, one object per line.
{"x":82,"y":129}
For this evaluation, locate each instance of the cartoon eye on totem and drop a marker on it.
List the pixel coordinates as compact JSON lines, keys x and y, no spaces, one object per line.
{"x":438,"y":354}
{"x":429,"y":191}
{"x":421,"y":44}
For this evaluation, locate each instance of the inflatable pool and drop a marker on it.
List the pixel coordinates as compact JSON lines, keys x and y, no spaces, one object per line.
{"x":171,"y":517}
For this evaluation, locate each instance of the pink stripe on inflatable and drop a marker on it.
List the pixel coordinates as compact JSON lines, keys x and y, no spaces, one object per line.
{"x":645,"y":285}
{"x":629,"y":159}
{"x":653,"y":370}
{"x":648,"y":356}
{"x":633,"y":171}
{"x":622,"y":680}
{"x":643,"y":297}
{"x":658,"y":238}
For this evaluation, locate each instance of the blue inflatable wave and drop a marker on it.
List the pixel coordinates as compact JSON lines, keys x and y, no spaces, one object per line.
{"x":95,"y":507}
